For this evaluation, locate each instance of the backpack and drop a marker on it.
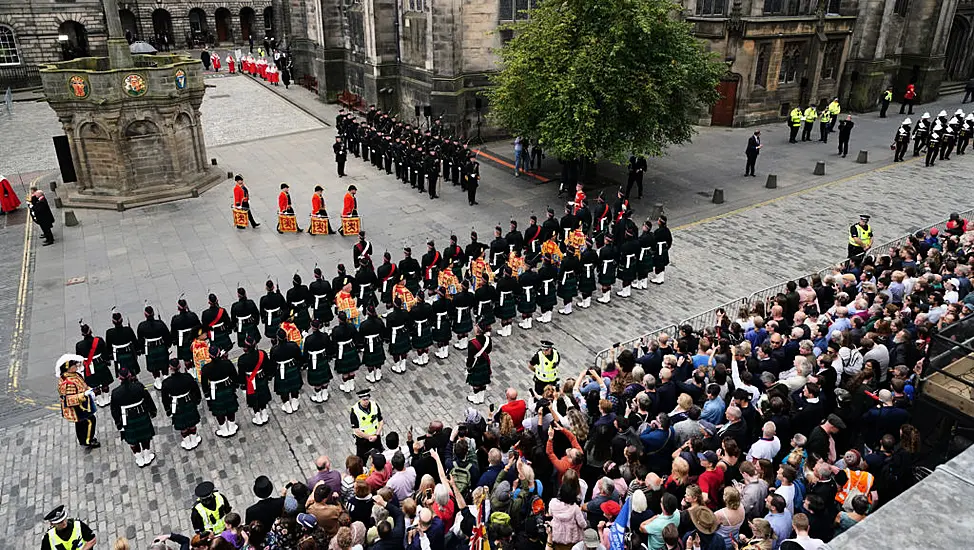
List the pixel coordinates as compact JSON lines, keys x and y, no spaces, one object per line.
{"x":534,"y":521}
{"x":461,"y":476}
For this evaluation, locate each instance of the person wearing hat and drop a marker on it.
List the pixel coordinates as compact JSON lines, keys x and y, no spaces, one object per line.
{"x":387,"y":276}
{"x":341,"y":155}
{"x":318,"y":210}
{"x":366,"y":420}
{"x":965,"y":134}
{"x":210,"y":509}
{"x":77,"y":401}
{"x":661,"y":256}
{"x":267,"y":508}
{"x":546,"y":288}
{"x":371,"y":333}
{"x":124,"y":345}
{"x":608,"y":261}
{"x":480,"y":272}
{"x":505,"y":308}
{"x":284,"y":206}
{"x":298,"y":298}
{"x":154,"y":341}
{"x":183,"y":327}
{"x":462,"y":314}
{"x":628,"y":258}
{"x":430,"y":267}
{"x":453,"y":254}
{"x":245,"y":318}
{"x":133,"y":409}
{"x":286,"y":360}
{"x":411,"y":273}
{"x":361,"y":248}
{"x":567,"y":280}
{"x":321,"y":298}
{"x":219,"y":379}
{"x":860,"y":238}
{"x":398,"y":326}
{"x":901,"y":141}
{"x":920,"y":134}
{"x":933,"y":143}
{"x":180,"y":399}
{"x":644,"y":261}
{"x":486,"y":297}
{"x":432,"y":167}
{"x":217,"y":321}
{"x":472,"y":251}
{"x":273,"y":309}
{"x":527,"y":295}
{"x":514,"y":238}
{"x":567,"y":223}
{"x":254,"y":370}
{"x":367,"y":283}
{"x":515,"y":263}
{"x":478,"y":363}
{"x":241,"y":199}
{"x":350,"y":203}
{"x":315,"y":357}
{"x":67,"y":533}
{"x":471,"y":179}
{"x":441,"y":320}
{"x":820,"y":442}
{"x":96,"y":372}
{"x":544,"y":365}
{"x":586,"y":273}
{"x":948,"y":139}
{"x":705,"y":525}
{"x":345,"y":341}
{"x":421,"y":331}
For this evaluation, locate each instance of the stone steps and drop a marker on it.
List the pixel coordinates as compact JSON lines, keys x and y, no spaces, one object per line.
{"x":144,"y":197}
{"x":948,"y":88}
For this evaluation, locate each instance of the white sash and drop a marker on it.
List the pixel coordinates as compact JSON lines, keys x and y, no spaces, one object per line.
{"x":240,"y":322}
{"x":370,"y":340}
{"x":125,"y":412}
{"x":460,"y":311}
{"x":501,"y":301}
{"x":213,"y":384}
{"x":527,"y":293}
{"x":314,"y":358}
{"x":175,"y":401}
{"x":179,"y":335}
{"x":270,"y":315}
{"x":341,"y":349}
{"x":439,"y":319}
{"x":282,"y":365}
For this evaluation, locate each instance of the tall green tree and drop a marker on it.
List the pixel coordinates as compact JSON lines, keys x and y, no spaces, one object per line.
{"x":600,"y":78}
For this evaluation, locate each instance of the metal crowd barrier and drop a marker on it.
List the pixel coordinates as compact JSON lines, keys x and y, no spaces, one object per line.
{"x":702,"y":321}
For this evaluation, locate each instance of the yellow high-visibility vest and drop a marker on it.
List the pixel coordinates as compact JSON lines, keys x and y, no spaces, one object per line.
{"x":73,"y":541}
{"x":212,"y":520}
{"x":865,"y":235}
{"x":547,"y":369}
{"x":796,"y":116}
{"x":366,"y":419}
{"x":810,"y":114}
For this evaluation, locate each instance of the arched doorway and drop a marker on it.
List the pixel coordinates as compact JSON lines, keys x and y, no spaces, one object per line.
{"x":162,"y":29}
{"x":957,"y":59}
{"x":247,"y":18}
{"x":269,"y":22}
{"x":198,"y":27}
{"x":73,"y":38}
{"x":224,"y":25}
{"x":723,"y":111}
{"x":129,"y":25}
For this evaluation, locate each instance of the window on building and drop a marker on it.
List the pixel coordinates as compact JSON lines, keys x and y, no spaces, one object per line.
{"x":710,"y":7}
{"x":8,"y":47}
{"x":773,"y":6}
{"x":901,"y":7}
{"x":833,"y":6}
{"x":414,"y":5}
{"x":516,"y":10}
{"x":830,"y":62}
{"x":791,"y":63}
{"x":761,"y":69}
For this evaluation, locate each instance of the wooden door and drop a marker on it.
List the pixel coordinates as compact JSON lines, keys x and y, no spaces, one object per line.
{"x":723,"y":112}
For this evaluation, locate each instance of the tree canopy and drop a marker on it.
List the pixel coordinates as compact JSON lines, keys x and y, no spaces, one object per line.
{"x":602,"y":78}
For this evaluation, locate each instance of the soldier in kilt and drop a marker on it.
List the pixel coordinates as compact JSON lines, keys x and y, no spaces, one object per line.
{"x":321,"y":298}
{"x":478,"y":364}
{"x":608,"y":261}
{"x":183,"y":328}
{"x":528,"y":295}
{"x":154,"y":341}
{"x":298,"y":298}
{"x":485,"y":296}
{"x":586,"y":274}
{"x":217,"y":321}
{"x":316,"y":348}
{"x":410,"y":270}
{"x":246,"y":318}
{"x":421,"y":331}
{"x":371,"y":334}
{"x":180,"y":399}
{"x":388,"y":276}
{"x":219,"y":380}
{"x":286,"y":357}
{"x":661,"y":258}
{"x":133,"y":410}
{"x":97,"y":373}
{"x":628,"y":256}
{"x":123,"y":346}
{"x":345,"y":337}
{"x":506,"y":307}
{"x":441,"y":323}
{"x":254,"y":370}
{"x":397,"y":326}
{"x":547,"y":296}
{"x":644,"y":263}
{"x":568,"y":280}
{"x":367,"y":283}
{"x":273,"y":309}
{"x":462,"y":314}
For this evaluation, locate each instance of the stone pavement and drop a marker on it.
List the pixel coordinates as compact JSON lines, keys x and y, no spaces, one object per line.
{"x":189,"y":247}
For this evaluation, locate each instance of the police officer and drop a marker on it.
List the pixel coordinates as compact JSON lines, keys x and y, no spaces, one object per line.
{"x":884,"y":102}
{"x":210,"y":509}
{"x":794,"y":122}
{"x":366,"y":420}
{"x":810,"y":115}
{"x":860,"y":238}
{"x":544,"y":364}
{"x":825,"y":124}
{"x":66,"y":533}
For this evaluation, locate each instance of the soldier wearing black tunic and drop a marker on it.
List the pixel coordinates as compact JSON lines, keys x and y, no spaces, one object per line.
{"x":298,"y":298}
{"x":568,"y":224}
{"x":498,"y":251}
{"x":255,"y":369}
{"x":628,"y":260}
{"x":183,"y":327}
{"x":478,"y":364}
{"x":219,"y":380}
{"x":485,"y":296}
{"x":246,"y":318}
{"x":454,"y":255}
{"x":345,"y":339}
{"x":601,"y":222}
{"x":181,"y":398}
{"x":661,"y":258}
{"x":464,"y":303}
{"x":550,"y":227}
{"x":568,"y":280}
{"x":218,"y":324}
{"x":431,"y":267}
{"x":608,"y":263}
{"x":547,"y":289}
{"x":588,"y":269}
{"x":527,"y":299}
{"x":95,"y":369}
{"x":317,"y":347}
{"x":441,"y":323}
{"x":506,"y":306}
{"x":154,"y":341}
{"x":421,"y":331}
{"x":286,"y":360}
{"x":514,"y":238}
{"x":471,"y":252}
{"x":273,"y":309}
{"x":532,"y":241}
{"x":133,"y":411}
{"x":410,"y":270}
{"x":584,"y":215}
{"x":321,"y":298}
{"x":372,"y":333}
{"x":367,"y":283}
{"x":361,"y":248}
{"x":388,"y":276}
{"x":397,"y":325}
{"x":647,"y":250}
{"x":123,"y":345}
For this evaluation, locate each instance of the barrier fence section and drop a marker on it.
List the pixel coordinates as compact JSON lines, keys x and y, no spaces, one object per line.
{"x":702,"y":321}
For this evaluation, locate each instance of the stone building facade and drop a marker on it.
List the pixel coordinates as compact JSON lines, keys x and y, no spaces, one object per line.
{"x":404,"y":54}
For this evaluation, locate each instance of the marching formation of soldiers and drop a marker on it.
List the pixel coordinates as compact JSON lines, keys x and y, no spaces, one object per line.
{"x":418,"y":158}
{"x":936,"y":138}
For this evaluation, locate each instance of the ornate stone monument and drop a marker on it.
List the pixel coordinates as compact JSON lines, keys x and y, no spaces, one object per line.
{"x":133,"y":124}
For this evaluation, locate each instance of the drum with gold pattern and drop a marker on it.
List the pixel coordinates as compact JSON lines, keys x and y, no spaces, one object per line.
{"x":240,"y":218}
{"x":287,"y":223}
{"x":351,"y":225}
{"x":319,"y":225}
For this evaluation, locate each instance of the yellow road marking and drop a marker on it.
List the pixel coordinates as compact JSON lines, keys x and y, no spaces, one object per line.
{"x":17,"y":340}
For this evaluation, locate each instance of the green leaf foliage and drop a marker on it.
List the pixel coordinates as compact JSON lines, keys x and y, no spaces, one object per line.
{"x":599,"y":79}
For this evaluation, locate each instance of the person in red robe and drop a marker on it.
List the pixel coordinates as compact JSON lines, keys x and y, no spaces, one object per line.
{"x":350,"y":206}
{"x":216,"y":62}
{"x":284,"y":204}
{"x":8,"y":199}
{"x":241,"y":199}
{"x":579,"y":199}
{"x":231,"y":64}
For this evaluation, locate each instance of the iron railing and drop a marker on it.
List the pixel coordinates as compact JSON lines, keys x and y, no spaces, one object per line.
{"x":19,"y":77}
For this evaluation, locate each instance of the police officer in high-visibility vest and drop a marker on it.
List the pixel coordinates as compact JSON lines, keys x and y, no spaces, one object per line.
{"x":795,"y":123}
{"x":811,"y":114}
{"x":825,"y":125}
{"x":65,"y":533}
{"x":860,"y":238}
{"x":545,"y":367}
{"x":210,"y":509}
{"x":884,"y":103}
{"x":366,"y":420}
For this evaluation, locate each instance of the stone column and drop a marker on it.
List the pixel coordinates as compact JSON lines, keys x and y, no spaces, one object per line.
{"x":119,"y":55}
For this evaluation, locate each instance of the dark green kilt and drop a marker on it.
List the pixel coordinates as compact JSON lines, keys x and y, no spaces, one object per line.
{"x":608,"y":278}
{"x":187,"y":415}
{"x":568,"y":289}
{"x":549,"y":299}
{"x":464,"y":325}
{"x":157,"y":359}
{"x":424,"y":339}
{"x":586,"y":285}
{"x":222,"y":340}
{"x":270,"y":330}
{"x":302,"y":319}
{"x":487,"y":314}
{"x":508,"y":309}
{"x":376,"y":357}
{"x":386,"y":295}
{"x":627,"y":275}
{"x":252,"y":331}
{"x":321,"y":375}
{"x":138,"y":430}
{"x":443,"y":333}
{"x":128,"y":360}
{"x":262,"y":394}
{"x":324,"y":313}
{"x":401,"y":345}
{"x":185,"y":353}
{"x":479,"y":375}
{"x":291,"y":381}
{"x":101,"y":374}
{"x":413,"y":286}
{"x":225,"y":402}
{"x":349,"y":362}
{"x":662,"y":260}
{"x":525,"y":305}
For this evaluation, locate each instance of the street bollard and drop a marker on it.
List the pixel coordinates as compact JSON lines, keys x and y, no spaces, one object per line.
{"x":229,"y":175}
{"x":820,"y":168}
{"x":863,"y":157}
{"x":70,"y":220}
{"x":772,"y":182}
{"x":718,"y":196}
{"x":213,"y":161}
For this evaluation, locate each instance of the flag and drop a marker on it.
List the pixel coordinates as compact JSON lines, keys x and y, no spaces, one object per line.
{"x":617,"y":533}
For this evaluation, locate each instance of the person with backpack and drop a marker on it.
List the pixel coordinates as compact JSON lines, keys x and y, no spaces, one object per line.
{"x":461,"y":464}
